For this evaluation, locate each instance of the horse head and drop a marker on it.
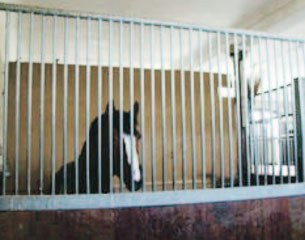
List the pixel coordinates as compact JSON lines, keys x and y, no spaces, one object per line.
{"x":130,"y":137}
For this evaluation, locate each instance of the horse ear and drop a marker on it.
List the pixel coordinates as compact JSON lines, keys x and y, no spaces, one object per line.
{"x":136,"y":108}
{"x":107,"y":107}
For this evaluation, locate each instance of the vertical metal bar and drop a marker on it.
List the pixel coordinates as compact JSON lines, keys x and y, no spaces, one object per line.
{"x":99,"y":104}
{"x":202,"y":112}
{"x":302,"y":118}
{"x":183,"y":123}
{"x":264,"y":125}
{"x":76,"y":110}
{"x":5,"y":97}
{"x":254,"y":156}
{"x":153,"y":124}
{"x":270,"y":111}
{"x":173,"y":110}
{"x":88,"y":87}
{"x":163,"y":104}
{"x":65,"y":105}
{"x":229,"y":113}
{"x":212,"y":107}
{"x":131,"y":97}
{"x":41,"y":106}
{"x":238,"y":125}
{"x":142,"y":89}
{"x":285,"y":96}
{"x":30,"y":93}
{"x":278,"y":107}
{"x":53,"y":121}
{"x":121,"y":97}
{"x":294,"y":142}
{"x":220,"y":109}
{"x":17,"y":104}
{"x":193,"y":123}
{"x":110,"y":99}
{"x":246,"y":109}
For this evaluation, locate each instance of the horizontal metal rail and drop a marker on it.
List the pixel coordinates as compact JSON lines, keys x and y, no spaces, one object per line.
{"x":148,"y":199}
{"x":94,"y":16}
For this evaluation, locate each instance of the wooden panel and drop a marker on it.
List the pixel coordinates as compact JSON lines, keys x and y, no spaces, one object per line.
{"x":93,"y":114}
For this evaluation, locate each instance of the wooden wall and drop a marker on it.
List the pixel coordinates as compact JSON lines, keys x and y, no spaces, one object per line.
{"x":280,"y":219}
{"x":93,"y":113}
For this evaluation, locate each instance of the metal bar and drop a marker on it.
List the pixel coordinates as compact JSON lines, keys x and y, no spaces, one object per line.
{"x":88,"y":87}
{"x":246,"y":109}
{"x":41,"y":106}
{"x":212,"y":108}
{"x":142,"y":90}
{"x":65,"y":105}
{"x":173,"y":111}
{"x":278,"y":107}
{"x":110,"y":99}
{"x":30,"y":94}
{"x":302,"y":118}
{"x":264,"y":125}
{"x":53,"y":114}
{"x":254,"y":155}
{"x":229,"y":113}
{"x":193,"y":123}
{"x":270,"y":109}
{"x":148,"y":199}
{"x":285,"y":96}
{"x":220,"y":109}
{"x":94,"y":16}
{"x":17,"y":103}
{"x":295,"y":142}
{"x":183,"y":123}
{"x":202,"y":113}
{"x":76,"y":110}
{"x":5,"y":97}
{"x":238,"y":125}
{"x":121,"y":97}
{"x":99,"y":105}
{"x":163,"y":104}
{"x":131,"y":99}
{"x":153,"y":124}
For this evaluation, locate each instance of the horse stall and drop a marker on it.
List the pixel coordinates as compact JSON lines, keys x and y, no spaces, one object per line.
{"x":116,"y":127}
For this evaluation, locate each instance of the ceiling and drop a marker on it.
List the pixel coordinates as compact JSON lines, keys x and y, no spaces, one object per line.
{"x":285,"y":17}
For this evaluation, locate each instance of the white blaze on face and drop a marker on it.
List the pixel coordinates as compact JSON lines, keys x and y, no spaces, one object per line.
{"x":130,"y":145}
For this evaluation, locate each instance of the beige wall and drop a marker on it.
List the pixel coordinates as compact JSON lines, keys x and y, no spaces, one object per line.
{"x":93,"y":113}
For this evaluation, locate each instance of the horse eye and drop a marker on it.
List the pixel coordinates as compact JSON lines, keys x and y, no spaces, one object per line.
{"x":138,"y":135}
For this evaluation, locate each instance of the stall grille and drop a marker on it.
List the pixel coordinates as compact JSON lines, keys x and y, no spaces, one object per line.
{"x":221,"y":112}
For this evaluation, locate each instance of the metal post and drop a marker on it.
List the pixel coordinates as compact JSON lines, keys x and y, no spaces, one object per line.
{"x":153,"y":124}
{"x":183,"y":123}
{"x":65,"y":105}
{"x":220,"y":110}
{"x":212,"y":106}
{"x":163,"y":104}
{"x":76,"y":110}
{"x":88,"y":87}
{"x":142,"y":90}
{"x":173,"y":110}
{"x":229,"y":113}
{"x":53,"y":123}
{"x":202,"y":112}
{"x":193,"y":123}
{"x":5,"y":97}
{"x":99,"y":104}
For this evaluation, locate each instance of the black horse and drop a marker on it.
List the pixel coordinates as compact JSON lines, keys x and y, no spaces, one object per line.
{"x":129,"y":149}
